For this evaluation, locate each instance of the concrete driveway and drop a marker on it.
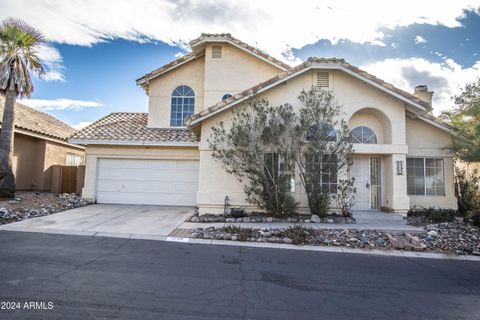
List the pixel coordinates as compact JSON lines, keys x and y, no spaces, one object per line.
{"x":114,"y":220}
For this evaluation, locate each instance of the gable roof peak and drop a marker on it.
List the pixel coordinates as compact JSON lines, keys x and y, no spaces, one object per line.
{"x":325,"y":60}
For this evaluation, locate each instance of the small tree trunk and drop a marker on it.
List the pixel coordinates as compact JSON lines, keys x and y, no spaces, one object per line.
{"x":7,"y":179}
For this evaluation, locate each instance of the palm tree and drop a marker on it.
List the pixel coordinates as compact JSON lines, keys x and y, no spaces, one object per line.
{"x":18,"y":56}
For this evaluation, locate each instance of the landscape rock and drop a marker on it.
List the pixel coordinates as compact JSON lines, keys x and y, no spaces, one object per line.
{"x":432,"y":233}
{"x":315,"y":218}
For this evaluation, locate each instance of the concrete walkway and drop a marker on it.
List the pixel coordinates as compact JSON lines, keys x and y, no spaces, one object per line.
{"x":366,"y":220}
{"x":108,"y":220}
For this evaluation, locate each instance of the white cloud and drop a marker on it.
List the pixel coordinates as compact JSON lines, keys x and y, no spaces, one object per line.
{"x":81,"y":124}
{"x":60,"y":104}
{"x":53,"y":61}
{"x":420,"y":39}
{"x":447,"y":79}
{"x":268,"y":24}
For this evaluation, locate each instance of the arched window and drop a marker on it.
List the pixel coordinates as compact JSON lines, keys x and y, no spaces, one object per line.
{"x":226,"y":96}
{"x":183,"y":105}
{"x":363,"y":134}
{"x":321,"y":131}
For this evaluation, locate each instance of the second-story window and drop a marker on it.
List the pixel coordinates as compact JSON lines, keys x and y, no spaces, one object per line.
{"x":183,"y":105}
{"x":226,"y":96}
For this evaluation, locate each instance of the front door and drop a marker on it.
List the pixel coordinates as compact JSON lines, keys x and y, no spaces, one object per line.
{"x":360,"y":170}
{"x":367,"y":173}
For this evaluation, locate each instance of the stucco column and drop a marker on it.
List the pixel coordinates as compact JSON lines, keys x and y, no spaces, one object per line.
{"x":396,"y":183}
{"x":88,"y":191}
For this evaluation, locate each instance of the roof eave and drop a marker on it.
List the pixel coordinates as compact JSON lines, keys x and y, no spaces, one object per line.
{"x":226,"y":39}
{"x":133,"y":143}
{"x":313,"y":65}
{"x":144,"y":81}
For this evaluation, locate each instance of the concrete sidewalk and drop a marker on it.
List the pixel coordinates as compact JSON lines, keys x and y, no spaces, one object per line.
{"x":366,"y":220}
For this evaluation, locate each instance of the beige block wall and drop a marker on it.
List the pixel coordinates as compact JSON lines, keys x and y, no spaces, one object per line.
{"x":95,"y":152}
{"x":234,"y":72}
{"x":160,"y":91}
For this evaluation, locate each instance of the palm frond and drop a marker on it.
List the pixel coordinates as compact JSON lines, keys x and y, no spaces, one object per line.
{"x":18,"y":55}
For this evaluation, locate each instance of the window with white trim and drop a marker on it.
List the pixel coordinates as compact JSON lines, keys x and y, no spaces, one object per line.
{"x":226,"y":96}
{"x":425,"y":176}
{"x":183,"y":105}
{"x":73,"y":159}
{"x":321,"y":131}
{"x":277,"y":169}
{"x":324,"y":171}
{"x":363,"y":134}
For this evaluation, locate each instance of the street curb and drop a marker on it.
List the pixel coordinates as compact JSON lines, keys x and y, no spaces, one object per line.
{"x":386,"y":253}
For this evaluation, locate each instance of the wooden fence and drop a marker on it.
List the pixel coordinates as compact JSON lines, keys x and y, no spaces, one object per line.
{"x":67,"y":179}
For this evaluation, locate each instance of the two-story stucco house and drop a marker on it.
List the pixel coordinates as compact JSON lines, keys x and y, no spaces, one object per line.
{"x":162,"y":157}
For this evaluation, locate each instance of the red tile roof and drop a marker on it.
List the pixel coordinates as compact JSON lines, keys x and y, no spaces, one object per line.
{"x":296,"y":70}
{"x":205,"y":37}
{"x":38,"y":122}
{"x":131,"y":126}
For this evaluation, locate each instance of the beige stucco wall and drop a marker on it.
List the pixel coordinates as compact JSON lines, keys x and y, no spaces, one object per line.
{"x":362,"y":104}
{"x":95,"y":152}
{"x":160,"y":91}
{"x":25,"y":156}
{"x":234,"y":72}
{"x":33,"y":159}
{"x":210,"y":78}
{"x":425,"y":140}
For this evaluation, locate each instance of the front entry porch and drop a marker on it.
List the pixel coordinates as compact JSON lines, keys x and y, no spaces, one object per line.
{"x":367,"y":172}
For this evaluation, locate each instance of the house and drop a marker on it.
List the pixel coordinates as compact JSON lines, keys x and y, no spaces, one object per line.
{"x":40,"y":142}
{"x":162,"y":157}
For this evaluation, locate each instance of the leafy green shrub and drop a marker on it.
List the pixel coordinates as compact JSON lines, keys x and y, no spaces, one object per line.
{"x":319,"y":203}
{"x":434,"y":215}
{"x":257,"y":149}
{"x":475,"y":217}
{"x":467,"y":192}
{"x":299,"y":234}
{"x":346,"y":195}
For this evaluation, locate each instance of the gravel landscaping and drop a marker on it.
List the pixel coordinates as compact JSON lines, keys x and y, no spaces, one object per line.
{"x":27,"y":205}
{"x":456,"y":237}
{"x":258,"y":218}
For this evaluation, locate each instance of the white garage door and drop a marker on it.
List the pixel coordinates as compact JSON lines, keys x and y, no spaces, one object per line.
{"x":159,"y":182}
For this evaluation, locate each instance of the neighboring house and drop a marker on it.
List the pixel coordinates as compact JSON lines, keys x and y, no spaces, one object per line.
{"x":40,"y":142}
{"x":160,"y":158}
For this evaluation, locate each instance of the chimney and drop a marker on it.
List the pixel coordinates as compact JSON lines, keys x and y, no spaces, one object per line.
{"x":421,"y":92}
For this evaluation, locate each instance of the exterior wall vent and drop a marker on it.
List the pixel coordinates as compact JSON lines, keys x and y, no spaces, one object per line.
{"x":216,"y":52}
{"x":323,"y":80}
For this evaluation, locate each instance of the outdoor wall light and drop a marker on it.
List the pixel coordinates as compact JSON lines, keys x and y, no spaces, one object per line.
{"x":399,"y":168}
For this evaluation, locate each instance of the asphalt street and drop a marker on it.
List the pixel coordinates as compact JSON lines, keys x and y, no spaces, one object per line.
{"x":51,"y":276}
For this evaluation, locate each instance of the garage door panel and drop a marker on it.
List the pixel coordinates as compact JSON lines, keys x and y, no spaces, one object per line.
{"x":138,"y":164}
{"x":147,"y":187}
{"x":146,"y":198}
{"x":161,"y":182}
{"x":146,"y":175}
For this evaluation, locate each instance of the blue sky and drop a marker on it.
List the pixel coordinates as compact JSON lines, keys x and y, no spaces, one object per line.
{"x":96,"y":49}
